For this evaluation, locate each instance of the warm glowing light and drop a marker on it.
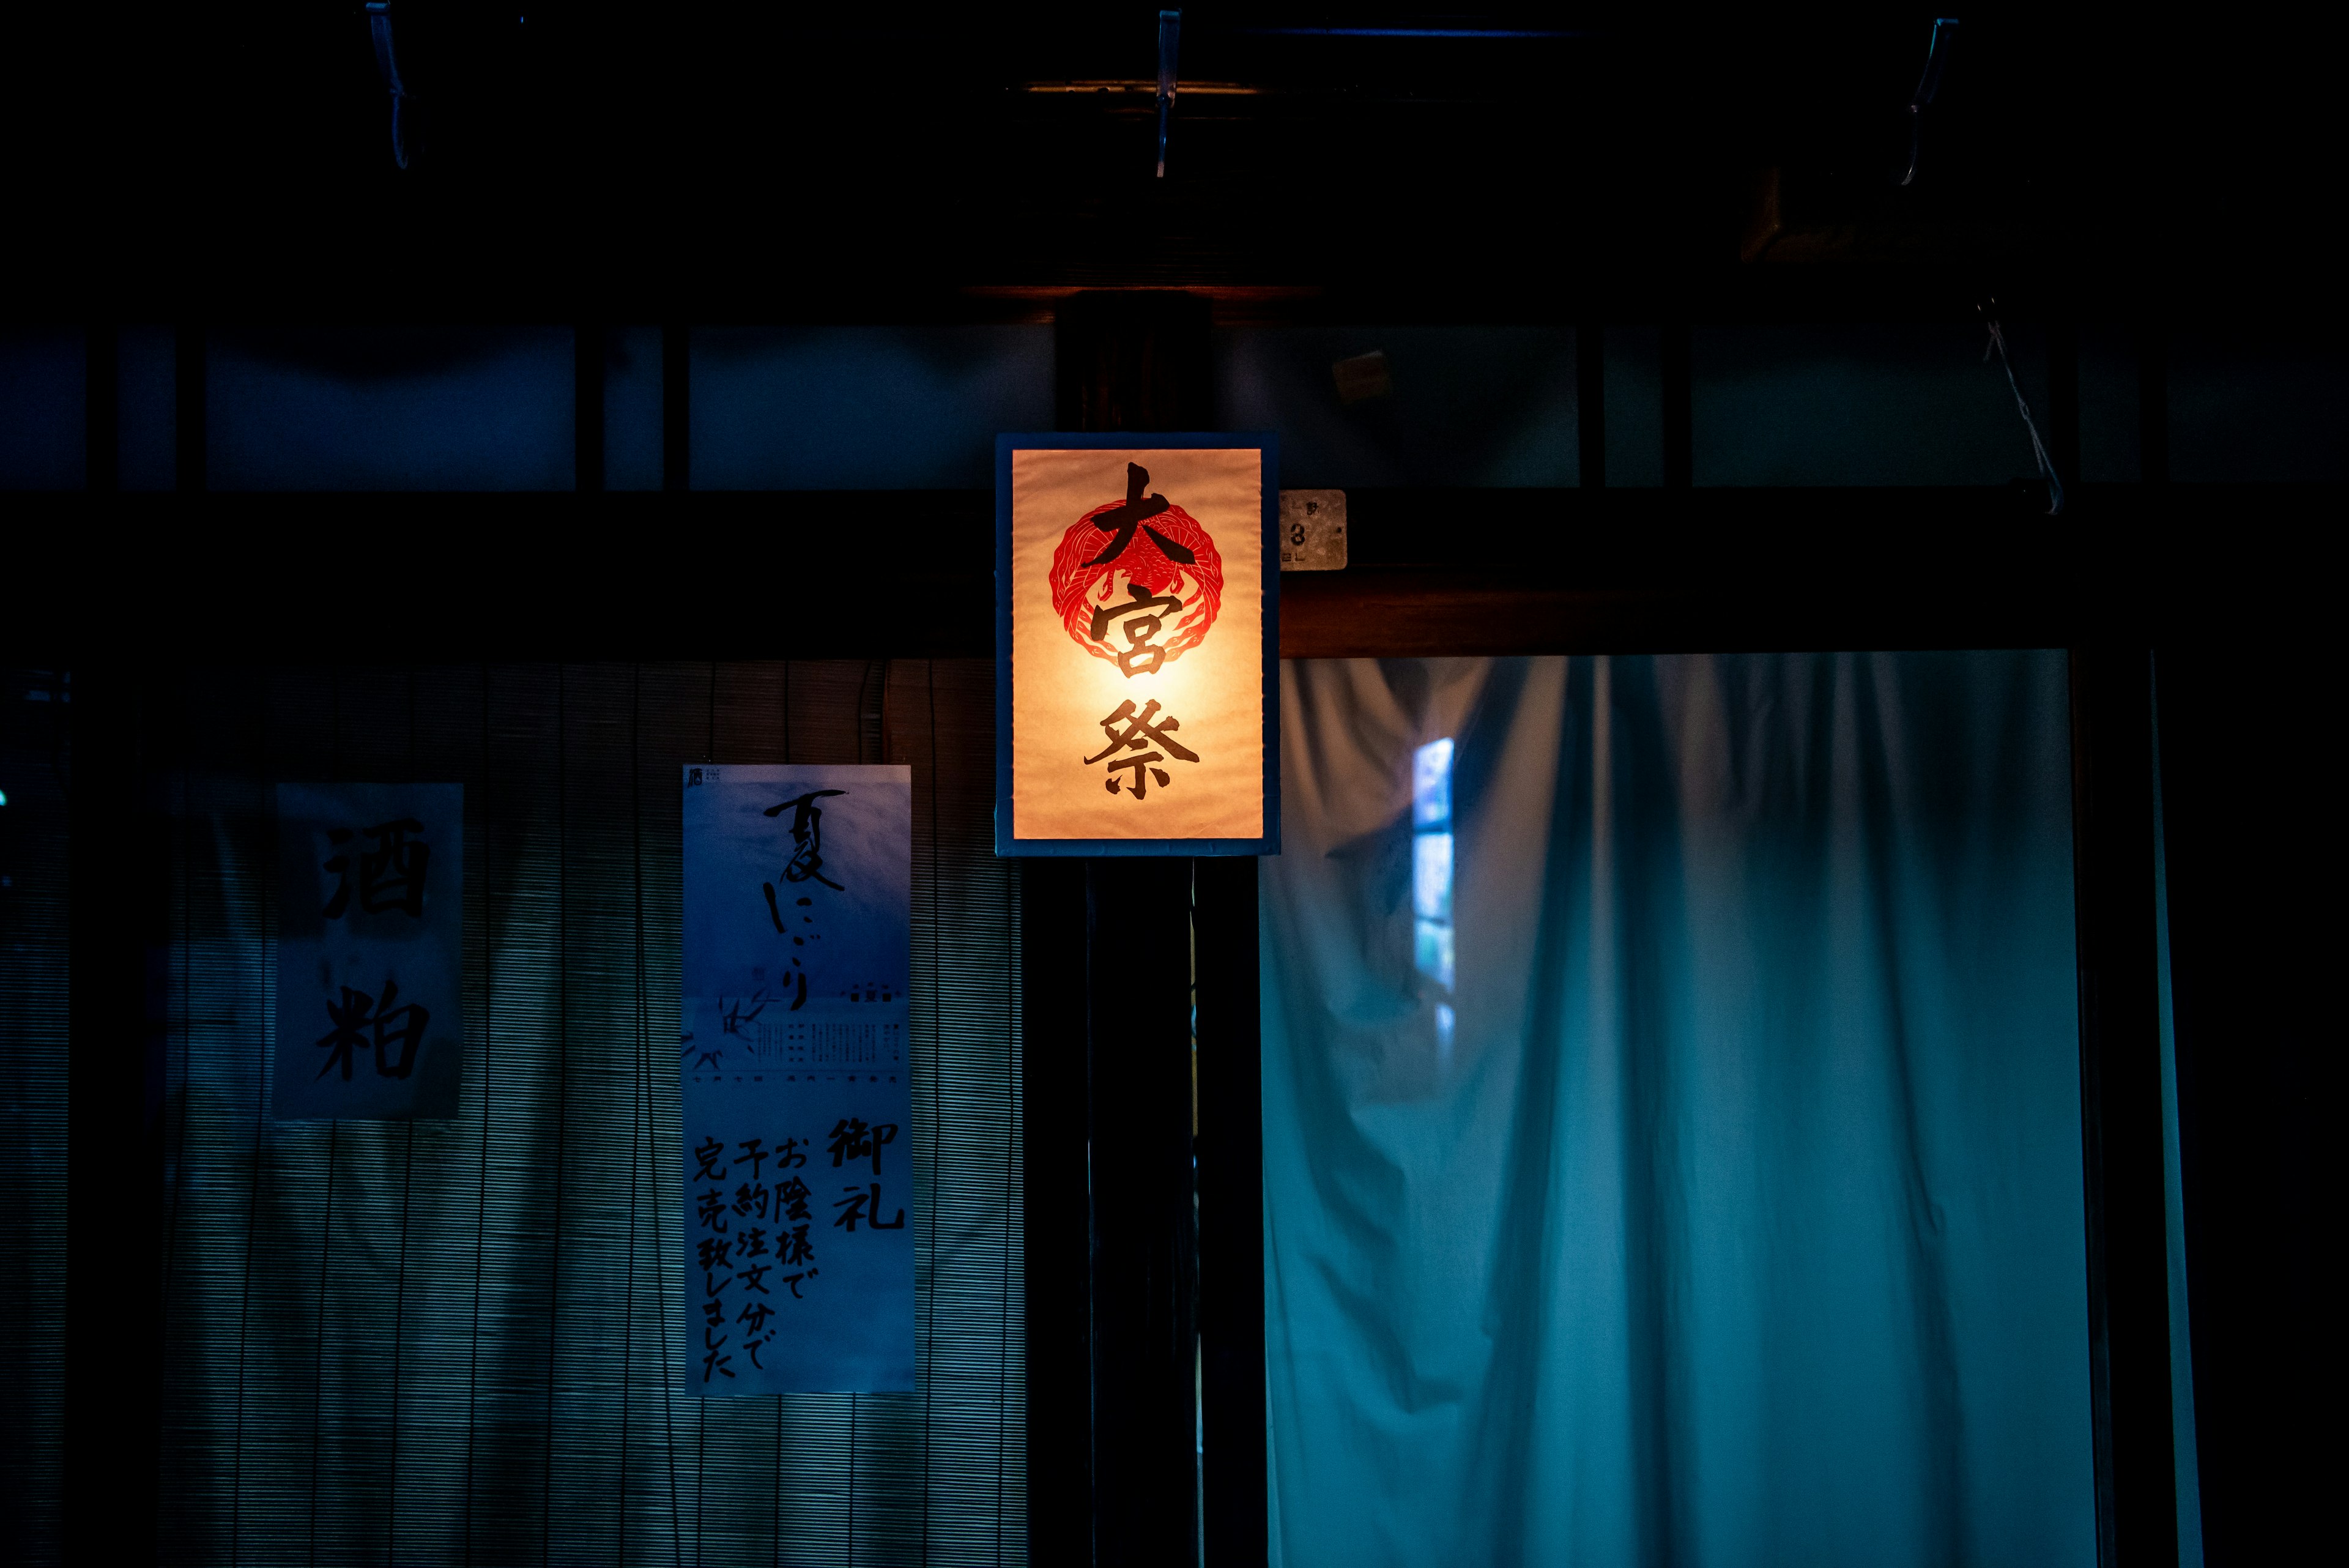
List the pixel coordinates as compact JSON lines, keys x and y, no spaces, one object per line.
{"x":1135,"y":618}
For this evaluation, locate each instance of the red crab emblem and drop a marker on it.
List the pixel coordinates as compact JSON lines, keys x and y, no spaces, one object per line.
{"x":1137,"y":581}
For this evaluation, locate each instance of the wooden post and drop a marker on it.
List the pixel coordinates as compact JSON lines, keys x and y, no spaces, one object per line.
{"x":1590,"y":402}
{"x":1107,"y":948}
{"x":119,"y":922}
{"x":190,"y":395}
{"x":102,"y":408}
{"x":1231,"y":1214}
{"x":676,"y":407}
{"x":1679,"y":406}
{"x":2120,"y":1106}
{"x":2064,"y":398}
{"x":588,"y":351}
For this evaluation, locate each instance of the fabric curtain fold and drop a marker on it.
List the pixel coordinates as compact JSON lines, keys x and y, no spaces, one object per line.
{"x":1672,"y":1114}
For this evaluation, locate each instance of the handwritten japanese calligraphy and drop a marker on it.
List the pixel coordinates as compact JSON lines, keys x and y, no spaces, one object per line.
{"x":370,"y":950}
{"x":796,"y":1095}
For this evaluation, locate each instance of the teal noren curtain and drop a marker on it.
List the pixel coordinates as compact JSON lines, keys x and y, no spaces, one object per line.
{"x":1679,"y":1163}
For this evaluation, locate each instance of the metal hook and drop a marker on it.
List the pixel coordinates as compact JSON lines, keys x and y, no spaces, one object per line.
{"x":1988,"y":310}
{"x":1170,"y":30}
{"x":1937,"y":59}
{"x":386,"y":63}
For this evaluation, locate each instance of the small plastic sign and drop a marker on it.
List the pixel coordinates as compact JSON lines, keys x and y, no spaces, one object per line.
{"x":1312,"y":530}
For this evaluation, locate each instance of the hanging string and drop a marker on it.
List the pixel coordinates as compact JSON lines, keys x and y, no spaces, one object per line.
{"x":260,"y":1119}
{"x":652,"y":1163}
{"x":937,"y":1143}
{"x":881,"y":744}
{"x":701,"y":1419}
{"x":407,"y":1187}
{"x":183,"y":871}
{"x":1997,"y":344}
{"x":1012,"y":1139}
{"x":334,"y":1137}
{"x":776,"y":1526}
{"x":561,"y":1082}
{"x":636,"y":1127}
{"x":638,"y":1118}
{"x":481,"y":1203}
{"x":319,"y":1380}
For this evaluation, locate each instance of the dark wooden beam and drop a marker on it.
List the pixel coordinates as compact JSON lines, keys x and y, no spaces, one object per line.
{"x":677,"y":408}
{"x":2120,"y":1106}
{"x":1677,"y":381}
{"x":1237,"y":296}
{"x":1590,"y":402}
{"x":1133,"y":361}
{"x":1144,"y":1247}
{"x":2220,"y":1051}
{"x":190,"y":432}
{"x":1438,"y":612}
{"x":2153,"y":403}
{"x":2244,"y":776}
{"x":589,"y":346}
{"x":2064,"y":398}
{"x":1234,"y":1481}
{"x":119,"y":917}
{"x":102,"y":408}
{"x":1057,"y":1266}
{"x":1614,"y":570}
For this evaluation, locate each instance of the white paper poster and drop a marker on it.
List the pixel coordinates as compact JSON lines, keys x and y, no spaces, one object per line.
{"x":370,"y":950}
{"x":798,"y":1138}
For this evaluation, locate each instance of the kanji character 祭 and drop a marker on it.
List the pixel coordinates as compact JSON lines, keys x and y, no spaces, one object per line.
{"x":1139,"y":735}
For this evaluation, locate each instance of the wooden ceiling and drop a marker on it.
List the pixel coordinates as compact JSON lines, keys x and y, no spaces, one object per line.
{"x":1364,"y":163}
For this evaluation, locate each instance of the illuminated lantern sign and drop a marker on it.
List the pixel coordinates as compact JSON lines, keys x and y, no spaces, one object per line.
{"x":1137,"y":633}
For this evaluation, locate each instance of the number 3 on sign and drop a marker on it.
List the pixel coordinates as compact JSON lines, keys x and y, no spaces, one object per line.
{"x":1312,"y":530}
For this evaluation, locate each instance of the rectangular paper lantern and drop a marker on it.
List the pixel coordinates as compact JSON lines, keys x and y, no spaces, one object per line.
{"x":1137,"y":645}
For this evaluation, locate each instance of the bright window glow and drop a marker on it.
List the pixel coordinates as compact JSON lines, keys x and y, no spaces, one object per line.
{"x":1431,"y":786}
{"x":1431,"y":877}
{"x":1431,"y":872}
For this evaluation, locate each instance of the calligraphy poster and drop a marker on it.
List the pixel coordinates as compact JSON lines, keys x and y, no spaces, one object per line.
{"x":1136,"y":630}
{"x":798,"y":1136}
{"x":370,"y":950}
